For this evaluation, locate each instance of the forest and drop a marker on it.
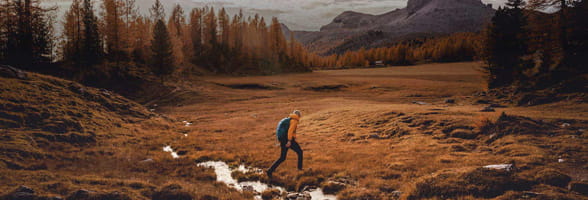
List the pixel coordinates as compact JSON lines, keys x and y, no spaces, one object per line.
{"x":520,"y":44}
{"x":118,"y":39}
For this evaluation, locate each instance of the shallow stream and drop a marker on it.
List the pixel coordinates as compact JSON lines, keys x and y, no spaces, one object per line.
{"x":223,"y":174}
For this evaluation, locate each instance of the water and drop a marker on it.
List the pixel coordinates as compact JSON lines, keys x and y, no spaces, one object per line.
{"x":223,"y":174}
{"x":171,"y":151}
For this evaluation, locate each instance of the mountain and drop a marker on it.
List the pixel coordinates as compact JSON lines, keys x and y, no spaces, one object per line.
{"x":353,"y":30}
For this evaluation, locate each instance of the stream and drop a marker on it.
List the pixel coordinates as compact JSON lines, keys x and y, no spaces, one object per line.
{"x":223,"y":174}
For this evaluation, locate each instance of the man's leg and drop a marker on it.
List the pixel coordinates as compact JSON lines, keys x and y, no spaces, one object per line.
{"x":283,"y":153}
{"x":294,"y":146}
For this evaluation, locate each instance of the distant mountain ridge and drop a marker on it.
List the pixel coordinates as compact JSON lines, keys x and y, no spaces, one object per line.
{"x":353,"y":30}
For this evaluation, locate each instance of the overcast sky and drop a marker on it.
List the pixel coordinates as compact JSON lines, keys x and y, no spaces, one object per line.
{"x":296,"y":14}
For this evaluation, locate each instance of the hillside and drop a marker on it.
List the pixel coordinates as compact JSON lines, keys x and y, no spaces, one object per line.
{"x":61,"y":138}
{"x":352,"y":30}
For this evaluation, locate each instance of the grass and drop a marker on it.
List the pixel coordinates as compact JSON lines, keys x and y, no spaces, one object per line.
{"x":369,"y":136}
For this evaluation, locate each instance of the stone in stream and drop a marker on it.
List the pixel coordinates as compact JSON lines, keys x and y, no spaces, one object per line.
{"x":298,"y":196}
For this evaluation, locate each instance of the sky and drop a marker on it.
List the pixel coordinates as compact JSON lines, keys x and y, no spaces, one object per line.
{"x":307,"y":15}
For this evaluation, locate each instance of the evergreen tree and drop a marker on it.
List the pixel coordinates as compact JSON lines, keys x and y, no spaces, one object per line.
{"x":162,"y":51}
{"x":27,"y":34}
{"x":505,"y":44}
{"x":196,"y":35}
{"x":92,"y":44}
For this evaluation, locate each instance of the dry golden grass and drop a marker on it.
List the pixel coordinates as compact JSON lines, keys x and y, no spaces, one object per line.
{"x":352,"y":108}
{"x":360,"y":126}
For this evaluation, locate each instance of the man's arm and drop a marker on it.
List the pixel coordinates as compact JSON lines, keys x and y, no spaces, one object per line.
{"x":292,"y":130}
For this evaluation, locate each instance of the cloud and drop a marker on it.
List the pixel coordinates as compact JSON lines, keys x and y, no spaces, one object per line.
{"x":296,"y":14}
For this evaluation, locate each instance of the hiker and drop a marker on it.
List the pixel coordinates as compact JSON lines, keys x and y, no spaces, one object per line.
{"x":286,"y":135}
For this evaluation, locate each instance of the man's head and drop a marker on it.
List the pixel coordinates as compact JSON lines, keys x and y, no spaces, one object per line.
{"x":297,"y":112}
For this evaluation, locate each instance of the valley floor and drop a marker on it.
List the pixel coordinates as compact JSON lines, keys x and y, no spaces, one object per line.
{"x":414,"y":132}
{"x":386,"y":130}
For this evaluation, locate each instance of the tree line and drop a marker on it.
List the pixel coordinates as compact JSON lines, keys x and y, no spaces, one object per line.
{"x":534,"y":50}
{"x":118,"y":38}
{"x":450,"y":48}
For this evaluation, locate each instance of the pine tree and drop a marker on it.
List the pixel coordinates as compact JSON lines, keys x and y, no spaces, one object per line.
{"x":505,"y":44}
{"x":162,"y":59}
{"x":196,"y":35}
{"x":92,"y":44}
{"x":27,"y":32}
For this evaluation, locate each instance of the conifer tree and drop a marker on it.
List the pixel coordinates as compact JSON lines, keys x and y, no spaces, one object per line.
{"x":27,"y":33}
{"x":196,"y":35}
{"x":92,"y":44}
{"x":162,"y":51}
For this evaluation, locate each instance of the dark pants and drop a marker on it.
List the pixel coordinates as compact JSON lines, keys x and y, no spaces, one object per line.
{"x":294,"y":146}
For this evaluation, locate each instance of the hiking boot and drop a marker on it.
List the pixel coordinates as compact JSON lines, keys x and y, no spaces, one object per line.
{"x":269,"y":174}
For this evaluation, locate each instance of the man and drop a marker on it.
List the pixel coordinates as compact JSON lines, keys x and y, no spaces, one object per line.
{"x":286,"y":134}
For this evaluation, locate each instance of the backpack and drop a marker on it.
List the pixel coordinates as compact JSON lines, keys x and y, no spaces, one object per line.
{"x":282,"y":130}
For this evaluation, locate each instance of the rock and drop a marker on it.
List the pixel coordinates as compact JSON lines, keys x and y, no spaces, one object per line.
{"x":579,"y":187}
{"x":173,"y":191}
{"x":552,"y":177}
{"x":396,"y":194}
{"x":298,"y":196}
{"x":505,"y":167}
{"x":419,"y":103}
{"x":565,"y":125}
{"x":248,"y":188}
{"x":12,"y":72}
{"x":449,"y":100}
{"x":487,"y":109}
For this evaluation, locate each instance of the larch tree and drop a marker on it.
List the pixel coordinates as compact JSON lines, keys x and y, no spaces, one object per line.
{"x":114,"y":28}
{"x":73,"y":34}
{"x":175,"y":26}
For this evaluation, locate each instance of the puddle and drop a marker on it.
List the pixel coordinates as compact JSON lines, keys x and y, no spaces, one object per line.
{"x":223,"y":174}
{"x":171,"y":151}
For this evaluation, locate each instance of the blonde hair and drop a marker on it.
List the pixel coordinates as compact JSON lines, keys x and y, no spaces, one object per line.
{"x":297,"y":112}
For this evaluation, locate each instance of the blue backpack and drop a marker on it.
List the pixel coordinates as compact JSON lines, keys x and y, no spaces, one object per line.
{"x":282,"y":130}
